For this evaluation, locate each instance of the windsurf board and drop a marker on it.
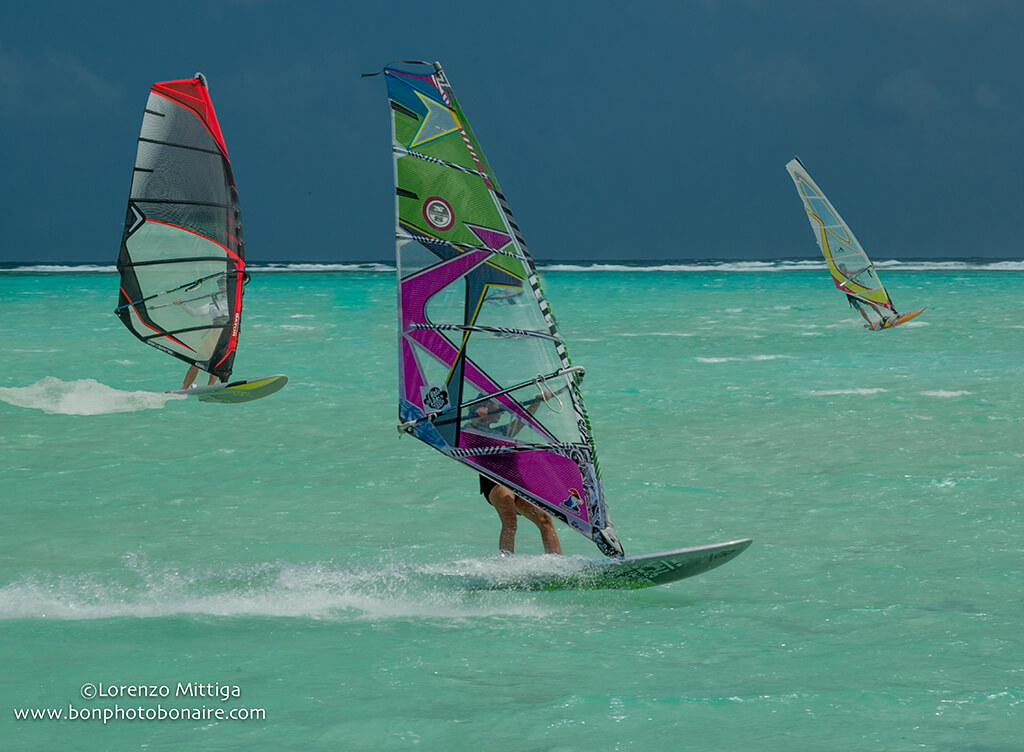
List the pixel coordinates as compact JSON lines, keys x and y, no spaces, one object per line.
{"x":626,"y":573}
{"x":904,"y":317}
{"x":245,"y":390}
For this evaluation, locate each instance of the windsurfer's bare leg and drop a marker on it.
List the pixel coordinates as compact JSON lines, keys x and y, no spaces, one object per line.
{"x":504,"y":502}
{"x":540,"y":518}
{"x":882,"y":318}
{"x":213,"y":380}
{"x":190,"y":376}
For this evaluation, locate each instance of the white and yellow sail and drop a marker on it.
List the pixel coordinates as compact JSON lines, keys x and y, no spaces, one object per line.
{"x":851,"y":269}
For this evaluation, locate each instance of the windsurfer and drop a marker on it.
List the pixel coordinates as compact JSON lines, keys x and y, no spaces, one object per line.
{"x":505,"y":502}
{"x":858,"y":304}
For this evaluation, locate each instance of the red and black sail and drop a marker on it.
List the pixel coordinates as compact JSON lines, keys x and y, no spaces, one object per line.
{"x":182,"y":259}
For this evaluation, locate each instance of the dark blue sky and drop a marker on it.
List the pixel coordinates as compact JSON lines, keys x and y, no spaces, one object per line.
{"x":643,"y":130}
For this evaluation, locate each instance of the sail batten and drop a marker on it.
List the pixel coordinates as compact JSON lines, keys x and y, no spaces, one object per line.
{"x":183,"y":232}
{"x":172,"y":145}
{"x":410,"y":153}
{"x":179,"y":261}
{"x":491,"y":395}
{"x":484,"y":376}
{"x":180,"y":202}
{"x":429,"y":239}
{"x":493,"y":329}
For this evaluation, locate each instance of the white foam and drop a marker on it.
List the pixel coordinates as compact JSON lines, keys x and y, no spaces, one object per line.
{"x":82,"y":397}
{"x":750,"y":358}
{"x":833,"y":392}
{"x":62,"y":268}
{"x":281,"y":589}
{"x":655,"y":334}
{"x":720,"y":266}
{"x":371,"y":266}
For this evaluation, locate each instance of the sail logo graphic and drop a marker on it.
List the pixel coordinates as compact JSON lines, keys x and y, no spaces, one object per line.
{"x":435,"y":398}
{"x":574,"y":503}
{"x":438,"y":213}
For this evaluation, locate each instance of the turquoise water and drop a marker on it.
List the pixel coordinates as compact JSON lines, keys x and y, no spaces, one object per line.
{"x":297,"y":549}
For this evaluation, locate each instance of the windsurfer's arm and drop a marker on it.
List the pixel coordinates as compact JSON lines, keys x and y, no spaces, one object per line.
{"x":194,"y":310}
{"x":516,"y":425}
{"x":213,"y":306}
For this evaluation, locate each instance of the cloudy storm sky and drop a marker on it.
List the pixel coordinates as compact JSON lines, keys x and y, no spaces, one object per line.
{"x":643,"y":130}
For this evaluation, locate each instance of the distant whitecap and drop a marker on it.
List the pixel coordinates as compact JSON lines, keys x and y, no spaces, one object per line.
{"x":834,"y":392}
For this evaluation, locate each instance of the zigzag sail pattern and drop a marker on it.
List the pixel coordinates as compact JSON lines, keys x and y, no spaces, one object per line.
{"x":484,"y":376}
{"x":851,"y":269}
{"x":182,"y":259}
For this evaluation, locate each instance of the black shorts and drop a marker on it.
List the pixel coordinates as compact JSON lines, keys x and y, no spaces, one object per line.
{"x":486,"y":484}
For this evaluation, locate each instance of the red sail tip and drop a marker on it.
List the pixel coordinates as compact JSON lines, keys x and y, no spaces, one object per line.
{"x":194,"y":94}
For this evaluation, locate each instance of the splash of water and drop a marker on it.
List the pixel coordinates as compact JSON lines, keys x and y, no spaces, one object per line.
{"x":388,"y":590}
{"x":82,"y":397}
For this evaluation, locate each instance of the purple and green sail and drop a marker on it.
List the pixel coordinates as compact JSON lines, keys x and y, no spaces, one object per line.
{"x":484,"y":376}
